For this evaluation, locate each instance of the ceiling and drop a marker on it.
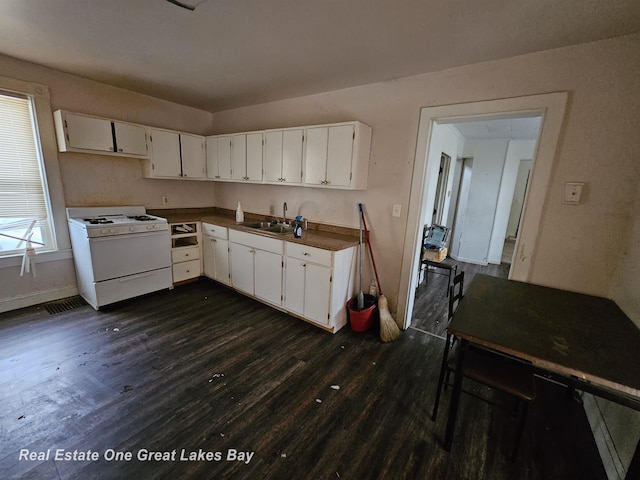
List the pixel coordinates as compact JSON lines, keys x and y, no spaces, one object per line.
{"x":231,"y":53}
{"x":519,"y":128}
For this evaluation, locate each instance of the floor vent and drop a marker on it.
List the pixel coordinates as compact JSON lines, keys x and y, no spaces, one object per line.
{"x":63,"y":305}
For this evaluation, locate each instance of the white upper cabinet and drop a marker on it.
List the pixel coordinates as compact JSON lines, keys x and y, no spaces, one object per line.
{"x":193,"y":156}
{"x":165,"y":154}
{"x":84,"y":133}
{"x":246,"y":157}
{"x":337,"y":156}
{"x":176,"y":155}
{"x":219,"y":157}
{"x":131,"y":139}
{"x":283,"y":156}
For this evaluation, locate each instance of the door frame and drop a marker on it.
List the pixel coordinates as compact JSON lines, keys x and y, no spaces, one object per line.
{"x":551,"y":107}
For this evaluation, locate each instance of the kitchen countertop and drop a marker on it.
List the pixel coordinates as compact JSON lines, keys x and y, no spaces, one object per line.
{"x":327,"y":237}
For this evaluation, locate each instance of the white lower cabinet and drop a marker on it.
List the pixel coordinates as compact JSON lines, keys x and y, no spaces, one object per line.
{"x":309,"y":282}
{"x":215,"y":252}
{"x":256,"y":265}
{"x":308,"y":290}
{"x":318,"y":283}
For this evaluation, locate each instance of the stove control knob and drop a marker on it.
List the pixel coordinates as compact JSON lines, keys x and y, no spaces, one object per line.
{"x":112,"y":230}
{"x":104,"y":230}
{"x":132,"y":229}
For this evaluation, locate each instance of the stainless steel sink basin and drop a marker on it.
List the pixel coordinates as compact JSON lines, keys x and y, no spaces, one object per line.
{"x":271,"y":227}
{"x":259,"y":225}
{"x":281,"y":228}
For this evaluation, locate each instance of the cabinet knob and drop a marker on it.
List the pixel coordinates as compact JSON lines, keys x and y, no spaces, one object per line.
{"x":306,"y":254}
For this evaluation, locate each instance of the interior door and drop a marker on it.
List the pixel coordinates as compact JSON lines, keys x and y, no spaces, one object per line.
{"x":463,"y":197}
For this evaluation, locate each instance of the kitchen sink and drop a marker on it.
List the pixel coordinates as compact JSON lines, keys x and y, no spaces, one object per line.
{"x":271,"y":227}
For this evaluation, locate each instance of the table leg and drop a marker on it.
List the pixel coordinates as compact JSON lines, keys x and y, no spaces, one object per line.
{"x":455,"y":395}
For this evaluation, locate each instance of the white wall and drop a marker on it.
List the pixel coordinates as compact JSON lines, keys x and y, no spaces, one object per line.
{"x":517,"y":150}
{"x":488,"y":163}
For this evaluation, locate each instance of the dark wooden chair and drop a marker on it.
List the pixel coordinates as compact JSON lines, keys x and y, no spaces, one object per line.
{"x":435,"y":235}
{"x":489,"y":368}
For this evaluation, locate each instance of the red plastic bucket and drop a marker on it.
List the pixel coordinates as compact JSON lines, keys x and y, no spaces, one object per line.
{"x":361,"y":320}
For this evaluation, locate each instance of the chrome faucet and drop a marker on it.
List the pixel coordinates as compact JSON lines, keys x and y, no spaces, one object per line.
{"x":284,"y":213}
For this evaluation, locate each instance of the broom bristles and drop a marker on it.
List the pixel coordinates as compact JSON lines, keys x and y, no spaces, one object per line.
{"x":389,"y":330}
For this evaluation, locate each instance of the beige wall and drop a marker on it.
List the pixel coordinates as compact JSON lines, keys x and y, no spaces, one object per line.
{"x":578,"y":245}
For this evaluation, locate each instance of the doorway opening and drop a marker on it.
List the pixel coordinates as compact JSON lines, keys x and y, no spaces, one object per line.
{"x":485,"y":243}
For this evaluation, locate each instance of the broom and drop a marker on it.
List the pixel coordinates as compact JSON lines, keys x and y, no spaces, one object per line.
{"x":389,"y":330}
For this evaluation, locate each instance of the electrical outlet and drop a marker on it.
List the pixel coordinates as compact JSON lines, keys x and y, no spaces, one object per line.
{"x":165,"y":200}
{"x":395,"y":211}
{"x":272,"y":210}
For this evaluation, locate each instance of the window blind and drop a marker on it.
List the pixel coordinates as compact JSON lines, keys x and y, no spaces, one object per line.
{"x":24,"y":204}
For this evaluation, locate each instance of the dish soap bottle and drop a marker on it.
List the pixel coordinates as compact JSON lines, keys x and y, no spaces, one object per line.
{"x":297,"y":230}
{"x":239,"y":214}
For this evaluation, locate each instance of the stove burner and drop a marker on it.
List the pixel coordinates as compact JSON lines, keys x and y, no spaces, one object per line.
{"x":141,"y":218}
{"x":97,"y":221}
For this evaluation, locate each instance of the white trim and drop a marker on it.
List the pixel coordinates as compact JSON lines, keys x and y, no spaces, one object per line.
{"x":552,"y":108}
{"x":37,"y":298}
{"x":611,"y":461}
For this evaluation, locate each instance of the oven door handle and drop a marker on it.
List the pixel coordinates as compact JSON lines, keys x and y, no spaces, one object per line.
{"x":123,"y":236}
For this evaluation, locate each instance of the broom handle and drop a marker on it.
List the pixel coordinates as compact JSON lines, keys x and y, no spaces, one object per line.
{"x":375,"y":270}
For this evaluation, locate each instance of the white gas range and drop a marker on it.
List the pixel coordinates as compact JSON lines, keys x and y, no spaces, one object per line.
{"x":119,"y":252}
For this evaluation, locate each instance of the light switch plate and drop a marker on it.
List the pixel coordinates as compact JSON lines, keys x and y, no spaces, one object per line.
{"x":395,"y":212}
{"x":572,"y":192}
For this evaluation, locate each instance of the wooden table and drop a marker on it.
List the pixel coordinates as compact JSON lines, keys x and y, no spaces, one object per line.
{"x":583,"y":341}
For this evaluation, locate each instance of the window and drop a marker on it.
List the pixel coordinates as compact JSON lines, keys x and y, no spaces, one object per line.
{"x":25,"y":212}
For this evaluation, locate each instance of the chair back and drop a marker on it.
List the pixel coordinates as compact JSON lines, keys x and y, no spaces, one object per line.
{"x":455,"y":293}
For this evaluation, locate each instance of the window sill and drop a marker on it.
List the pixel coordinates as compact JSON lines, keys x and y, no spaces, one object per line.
{"x":16,"y":259}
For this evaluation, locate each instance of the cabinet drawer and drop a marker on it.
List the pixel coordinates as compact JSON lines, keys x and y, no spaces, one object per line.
{"x":311,"y":254}
{"x":186,"y":270}
{"x":215,"y":231}
{"x":257,"y":241}
{"x":184,"y":254}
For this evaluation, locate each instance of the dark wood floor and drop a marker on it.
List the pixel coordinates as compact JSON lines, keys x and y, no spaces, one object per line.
{"x":201,"y":367}
{"x":431,"y":305}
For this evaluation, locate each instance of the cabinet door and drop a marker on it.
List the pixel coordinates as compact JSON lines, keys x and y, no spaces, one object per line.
{"x":294,"y":285}
{"x":131,"y":139}
{"x":273,"y":157}
{"x":268,"y":276}
{"x":212,"y":158}
{"x":224,"y":157}
{"x":254,"y":157}
{"x":315,"y":167}
{"x":339,"y":155}
{"x":88,"y":133}
{"x":221,"y":254}
{"x":215,"y":252}
{"x":239,"y":157}
{"x":193,"y":156}
{"x":292,"y":156}
{"x":165,"y":153}
{"x":317,"y":293}
{"x":241,"y":261}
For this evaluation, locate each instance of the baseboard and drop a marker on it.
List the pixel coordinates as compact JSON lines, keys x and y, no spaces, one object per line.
{"x":36,"y":298}
{"x":606,"y":447}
